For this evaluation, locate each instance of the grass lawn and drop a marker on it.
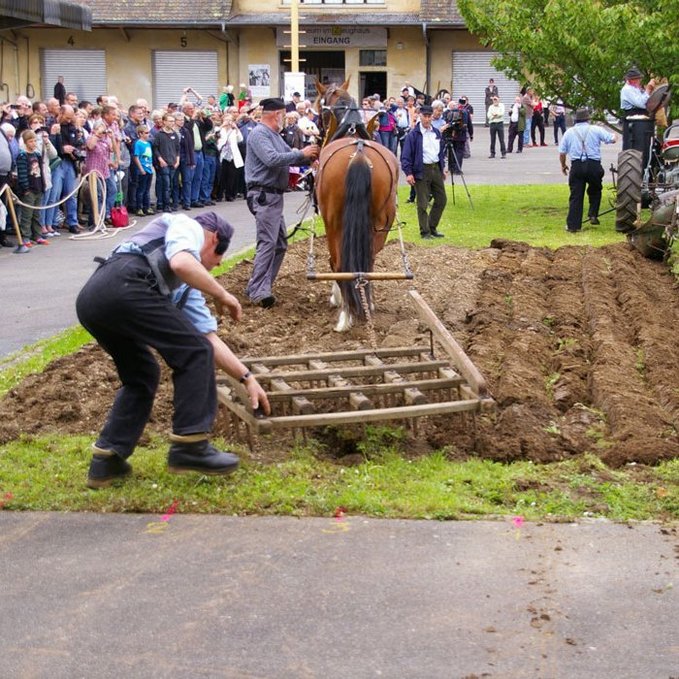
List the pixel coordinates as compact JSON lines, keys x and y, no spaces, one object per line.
{"x":535,"y":214}
{"x":48,"y":473}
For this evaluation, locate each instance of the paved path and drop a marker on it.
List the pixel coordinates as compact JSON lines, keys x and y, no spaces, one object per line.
{"x":39,"y":288}
{"x":100,"y":596}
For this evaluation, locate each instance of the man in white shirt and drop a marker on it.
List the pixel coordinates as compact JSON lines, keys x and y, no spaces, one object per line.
{"x":496,"y":120}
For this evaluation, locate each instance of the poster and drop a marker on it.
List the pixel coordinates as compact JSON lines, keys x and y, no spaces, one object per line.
{"x":259,"y":80}
{"x":293,"y":82}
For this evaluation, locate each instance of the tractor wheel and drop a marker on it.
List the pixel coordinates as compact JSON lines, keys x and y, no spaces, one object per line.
{"x":629,"y":190}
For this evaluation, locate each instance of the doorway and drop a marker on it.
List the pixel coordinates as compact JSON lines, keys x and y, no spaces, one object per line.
{"x":328,"y":67}
{"x":373,"y":82}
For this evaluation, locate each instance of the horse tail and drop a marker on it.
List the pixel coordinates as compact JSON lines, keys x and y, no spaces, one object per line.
{"x":357,"y":229}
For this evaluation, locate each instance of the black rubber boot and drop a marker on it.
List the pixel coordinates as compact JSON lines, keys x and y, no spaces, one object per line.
{"x":106,"y":467}
{"x":193,"y":453}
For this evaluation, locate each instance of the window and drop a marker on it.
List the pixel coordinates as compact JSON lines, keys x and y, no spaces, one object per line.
{"x":373,"y":58}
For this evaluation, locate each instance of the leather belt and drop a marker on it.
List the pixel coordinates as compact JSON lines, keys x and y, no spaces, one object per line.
{"x":266,"y":189}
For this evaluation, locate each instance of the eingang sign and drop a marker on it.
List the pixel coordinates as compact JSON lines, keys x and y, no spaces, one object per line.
{"x":334,"y":36}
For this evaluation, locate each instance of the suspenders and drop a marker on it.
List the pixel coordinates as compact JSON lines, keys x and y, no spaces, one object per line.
{"x":582,"y":139}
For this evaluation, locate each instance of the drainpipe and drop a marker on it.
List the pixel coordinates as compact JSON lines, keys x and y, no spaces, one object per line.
{"x":427,"y":56}
{"x":226,"y":49}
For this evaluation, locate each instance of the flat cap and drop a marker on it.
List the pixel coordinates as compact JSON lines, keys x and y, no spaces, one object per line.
{"x":211,"y":221}
{"x":426,"y":110}
{"x":633,"y":73}
{"x":272,"y":104}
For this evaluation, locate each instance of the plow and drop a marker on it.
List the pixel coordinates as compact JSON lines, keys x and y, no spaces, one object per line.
{"x":308,"y":391}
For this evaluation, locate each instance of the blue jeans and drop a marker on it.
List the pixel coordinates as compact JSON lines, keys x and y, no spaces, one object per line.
{"x":197,"y":179}
{"x":143,"y":198}
{"x":164,"y":182}
{"x":41,"y":215}
{"x":111,"y":190}
{"x":526,"y":132}
{"x":559,"y":124}
{"x":133,"y":175}
{"x":185,"y":172}
{"x":209,"y":171}
{"x":63,"y":182}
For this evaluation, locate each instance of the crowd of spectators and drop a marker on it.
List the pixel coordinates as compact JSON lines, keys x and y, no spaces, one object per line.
{"x":191,"y":154}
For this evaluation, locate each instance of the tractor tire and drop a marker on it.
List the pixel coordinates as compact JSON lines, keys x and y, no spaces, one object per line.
{"x":628,"y":190}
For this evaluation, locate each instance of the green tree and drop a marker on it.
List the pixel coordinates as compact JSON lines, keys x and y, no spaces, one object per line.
{"x":579,"y":50}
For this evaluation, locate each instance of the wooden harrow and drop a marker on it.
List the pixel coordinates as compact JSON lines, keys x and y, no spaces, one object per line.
{"x":361,"y":386}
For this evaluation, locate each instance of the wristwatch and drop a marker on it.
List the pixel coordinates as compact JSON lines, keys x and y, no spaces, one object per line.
{"x":245,"y":377}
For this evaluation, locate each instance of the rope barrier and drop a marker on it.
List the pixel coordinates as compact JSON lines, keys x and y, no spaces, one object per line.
{"x":99,"y":231}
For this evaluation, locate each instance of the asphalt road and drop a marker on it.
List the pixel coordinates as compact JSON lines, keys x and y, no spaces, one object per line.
{"x":87,"y":595}
{"x":39,"y":288}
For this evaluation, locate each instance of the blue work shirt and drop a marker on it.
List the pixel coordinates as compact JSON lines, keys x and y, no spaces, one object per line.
{"x":632,"y":97}
{"x":183,"y":235}
{"x":582,"y":142}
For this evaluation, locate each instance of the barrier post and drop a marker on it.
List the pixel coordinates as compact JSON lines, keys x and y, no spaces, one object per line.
{"x":94,"y":197}
{"x":20,"y":248}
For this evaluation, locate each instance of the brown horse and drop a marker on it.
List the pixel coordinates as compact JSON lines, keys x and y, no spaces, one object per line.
{"x":356,"y":192}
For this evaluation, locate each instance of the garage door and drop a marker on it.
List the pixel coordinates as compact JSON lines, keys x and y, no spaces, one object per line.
{"x":84,"y":72}
{"x":471,"y":72}
{"x":173,"y":71}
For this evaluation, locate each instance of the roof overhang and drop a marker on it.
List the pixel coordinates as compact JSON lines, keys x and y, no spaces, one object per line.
{"x":22,"y":13}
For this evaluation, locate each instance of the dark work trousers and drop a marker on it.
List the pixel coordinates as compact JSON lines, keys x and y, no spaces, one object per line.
{"x":227,"y":187}
{"x":431,"y":184}
{"x":497,"y":131}
{"x":539,"y":125}
{"x":559,"y":124}
{"x":132,"y":182}
{"x":267,"y":208}
{"x":584,"y":173}
{"x":120,"y":306}
{"x":515,"y":133}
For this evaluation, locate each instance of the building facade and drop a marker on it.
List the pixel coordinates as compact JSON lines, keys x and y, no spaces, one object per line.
{"x":156,"y":49}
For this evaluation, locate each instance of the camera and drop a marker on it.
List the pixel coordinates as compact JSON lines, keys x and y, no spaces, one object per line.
{"x":15,"y":107}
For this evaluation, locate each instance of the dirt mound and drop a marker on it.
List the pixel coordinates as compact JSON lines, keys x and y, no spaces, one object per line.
{"x":577,"y":346}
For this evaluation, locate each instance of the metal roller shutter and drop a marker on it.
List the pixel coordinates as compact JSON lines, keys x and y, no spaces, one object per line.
{"x":84,"y":72}
{"x":471,"y":72}
{"x":173,"y":71}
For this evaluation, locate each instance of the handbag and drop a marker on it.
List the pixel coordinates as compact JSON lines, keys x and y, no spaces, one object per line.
{"x":119,"y":216}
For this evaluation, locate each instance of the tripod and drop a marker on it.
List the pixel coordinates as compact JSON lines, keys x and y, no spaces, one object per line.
{"x":453,"y":156}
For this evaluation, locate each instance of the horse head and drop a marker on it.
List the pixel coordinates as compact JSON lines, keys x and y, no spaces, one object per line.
{"x":338,"y":112}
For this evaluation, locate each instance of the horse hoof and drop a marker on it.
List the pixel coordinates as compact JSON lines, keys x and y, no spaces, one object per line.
{"x":344,"y":322}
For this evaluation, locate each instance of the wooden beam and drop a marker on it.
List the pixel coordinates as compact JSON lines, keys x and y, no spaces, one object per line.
{"x":376,"y":415}
{"x":367,"y":389}
{"x":354,"y":371}
{"x":367,"y":276}
{"x":461,"y":361}
{"x":332,"y":356}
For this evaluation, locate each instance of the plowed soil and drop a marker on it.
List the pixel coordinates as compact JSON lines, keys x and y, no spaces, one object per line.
{"x":578,"y":346}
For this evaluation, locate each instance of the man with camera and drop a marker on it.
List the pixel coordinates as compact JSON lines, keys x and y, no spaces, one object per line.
{"x":457,"y":131}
